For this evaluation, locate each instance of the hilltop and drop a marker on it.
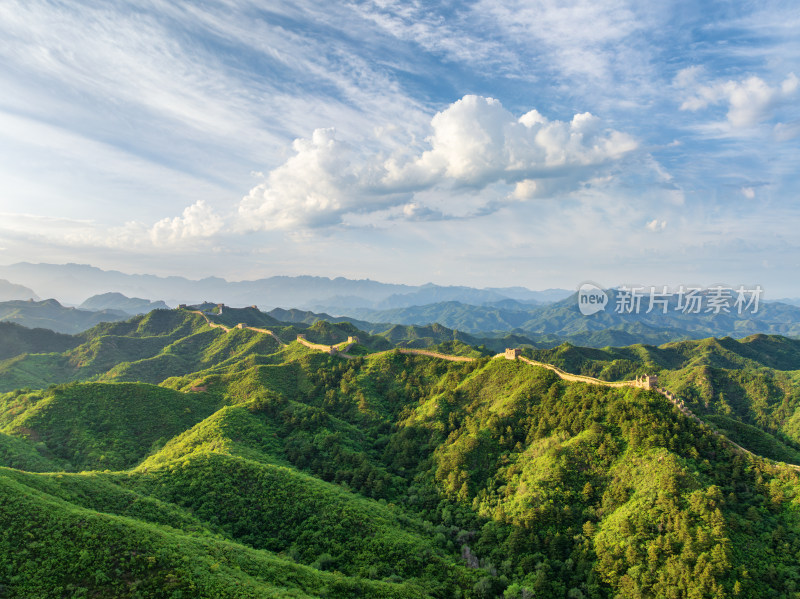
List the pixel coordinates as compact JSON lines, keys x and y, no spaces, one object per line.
{"x":121,"y":303}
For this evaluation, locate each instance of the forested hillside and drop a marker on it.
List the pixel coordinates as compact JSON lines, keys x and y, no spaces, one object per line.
{"x":163,"y":457}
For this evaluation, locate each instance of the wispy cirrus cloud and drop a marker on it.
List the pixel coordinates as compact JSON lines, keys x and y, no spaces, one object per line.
{"x":177,"y":83}
{"x":580,"y":37}
{"x":454,"y":32}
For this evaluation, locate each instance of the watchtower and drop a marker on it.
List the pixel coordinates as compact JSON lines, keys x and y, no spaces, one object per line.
{"x":647,"y":381}
{"x":352,"y":339}
{"x":512,"y":353}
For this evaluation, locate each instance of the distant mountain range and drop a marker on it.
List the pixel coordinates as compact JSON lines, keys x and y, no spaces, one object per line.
{"x":490,"y":317}
{"x":488,"y":326}
{"x":10,"y":291}
{"x":52,"y":315}
{"x":49,"y":314}
{"x":72,"y":283}
{"x":563,"y":319}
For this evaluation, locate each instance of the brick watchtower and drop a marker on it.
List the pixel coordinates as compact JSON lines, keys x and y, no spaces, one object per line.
{"x":647,"y":381}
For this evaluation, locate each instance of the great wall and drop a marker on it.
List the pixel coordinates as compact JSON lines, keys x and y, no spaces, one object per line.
{"x":241,"y":325}
{"x":337,"y":349}
{"x":648,"y":382}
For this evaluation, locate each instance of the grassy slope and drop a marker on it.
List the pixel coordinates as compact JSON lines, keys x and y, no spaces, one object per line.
{"x":100,"y":349}
{"x":97,"y":425}
{"x":279,"y":509}
{"x":16,"y":340}
{"x":147,"y":348}
{"x":26,"y":455}
{"x":50,"y":547}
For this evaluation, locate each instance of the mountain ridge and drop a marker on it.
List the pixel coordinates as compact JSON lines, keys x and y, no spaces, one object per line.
{"x":61,"y":281}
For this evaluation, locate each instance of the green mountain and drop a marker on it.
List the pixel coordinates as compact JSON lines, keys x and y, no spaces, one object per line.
{"x":309,"y":318}
{"x":16,"y":339}
{"x":537,"y":326}
{"x":563,"y":321}
{"x":49,"y":314}
{"x":121,"y":303}
{"x":164,"y":457}
{"x":746,"y":387}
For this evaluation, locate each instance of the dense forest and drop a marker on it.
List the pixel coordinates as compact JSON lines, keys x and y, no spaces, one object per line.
{"x":161,"y":457}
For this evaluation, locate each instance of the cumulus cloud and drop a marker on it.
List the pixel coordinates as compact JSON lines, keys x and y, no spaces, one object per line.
{"x":310,"y":188}
{"x":750,"y":101}
{"x":474,"y":143}
{"x":656,"y":225}
{"x":197,"y":221}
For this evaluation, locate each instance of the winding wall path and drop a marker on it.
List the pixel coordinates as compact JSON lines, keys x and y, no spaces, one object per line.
{"x":579,"y":378}
{"x":215,"y":325}
{"x":433,"y":354}
{"x":576,"y":378}
{"x":676,"y":401}
{"x":340,"y":349}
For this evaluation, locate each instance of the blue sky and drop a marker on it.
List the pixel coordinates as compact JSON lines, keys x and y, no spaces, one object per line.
{"x":534,"y":143}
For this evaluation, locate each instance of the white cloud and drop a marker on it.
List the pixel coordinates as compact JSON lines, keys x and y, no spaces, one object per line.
{"x":121,"y":57}
{"x":161,"y":83}
{"x":581,"y":37}
{"x":748,"y":192}
{"x":197,"y":221}
{"x":425,"y":25}
{"x":475,"y":143}
{"x":313,"y":188}
{"x":786,"y":131}
{"x":526,"y":189}
{"x":750,"y":101}
{"x":656,"y":225}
